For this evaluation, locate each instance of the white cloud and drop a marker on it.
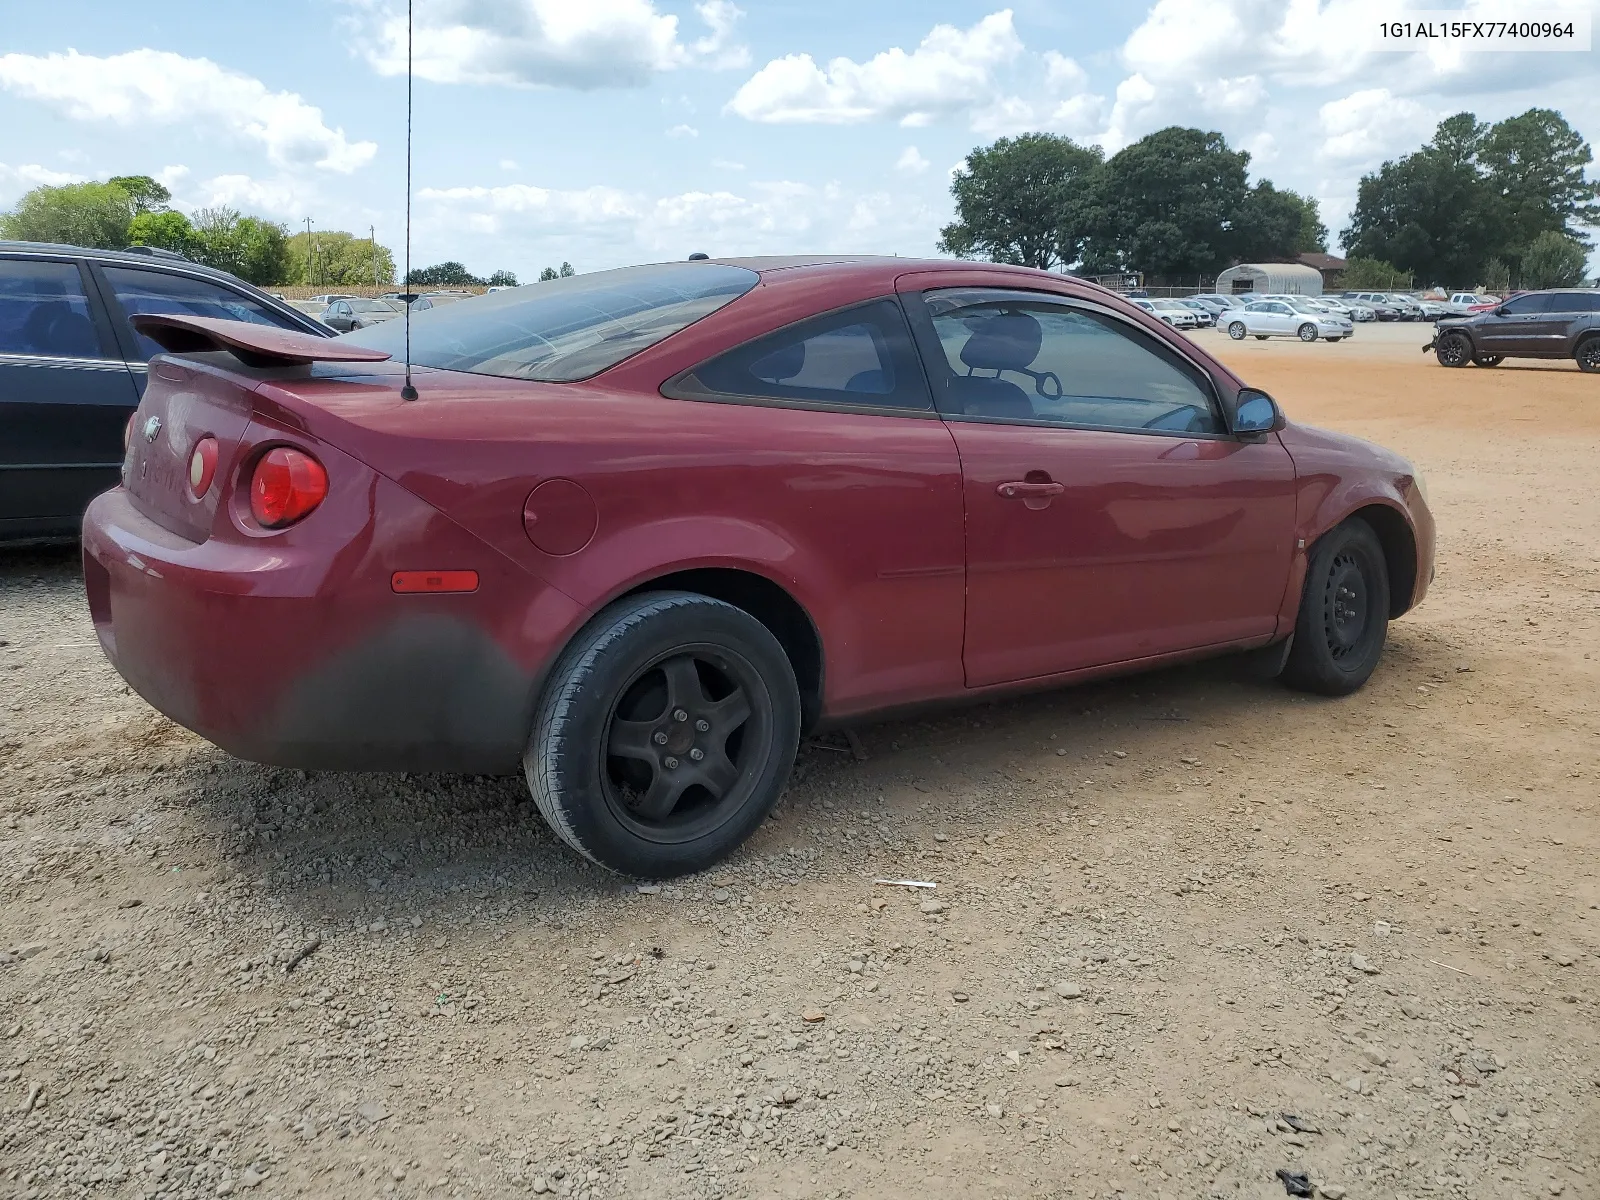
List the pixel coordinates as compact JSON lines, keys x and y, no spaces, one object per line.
{"x":603,"y":226}
{"x":16,"y":180}
{"x":1063,"y":74}
{"x":542,"y":43}
{"x":154,"y":87}
{"x":683,"y":131}
{"x":725,"y":164}
{"x":282,"y":198}
{"x":1366,"y":126}
{"x":911,"y":161}
{"x":952,"y":70}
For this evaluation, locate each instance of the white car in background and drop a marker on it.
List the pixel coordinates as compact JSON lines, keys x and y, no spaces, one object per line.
{"x":1277,"y":318}
{"x":1177,"y":315}
{"x":1345,"y":308}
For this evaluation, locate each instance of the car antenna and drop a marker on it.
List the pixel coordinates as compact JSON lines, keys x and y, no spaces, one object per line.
{"x":409,"y":390}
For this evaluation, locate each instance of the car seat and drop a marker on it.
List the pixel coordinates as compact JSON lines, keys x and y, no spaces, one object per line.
{"x":1007,"y":341}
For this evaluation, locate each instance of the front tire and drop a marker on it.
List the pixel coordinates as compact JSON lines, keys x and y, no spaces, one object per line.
{"x":1453,"y":350}
{"x":1587,"y":355}
{"x":1261,"y":337}
{"x":1236,"y":331}
{"x":665,"y":734}
{"x":1332,"y":339}
{"x":1488,"y":360}
{"x":1308,"y":332}
{"x":1344,"y":613}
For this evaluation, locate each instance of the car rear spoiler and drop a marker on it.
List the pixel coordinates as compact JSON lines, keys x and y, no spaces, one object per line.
{"x":252,"y":344}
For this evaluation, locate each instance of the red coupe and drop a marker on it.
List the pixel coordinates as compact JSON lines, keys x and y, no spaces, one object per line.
{"x":641,"y":529}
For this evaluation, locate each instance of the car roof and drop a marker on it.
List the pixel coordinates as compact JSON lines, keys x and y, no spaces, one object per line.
{"x":132,"y":258}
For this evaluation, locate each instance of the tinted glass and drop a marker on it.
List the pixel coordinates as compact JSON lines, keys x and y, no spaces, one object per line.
{"x":1575,"y":302}
{"x":863,"y":355}
{"x":1064,"y":365}
{"x":1522,"y":306}
{"x":364,"y":306}
{"x":563,"y":329}
{"x":43,"y":310}
{"x":141,"y":291}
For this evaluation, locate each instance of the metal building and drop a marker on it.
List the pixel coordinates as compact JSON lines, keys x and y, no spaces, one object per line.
{"x":1294,"y":279}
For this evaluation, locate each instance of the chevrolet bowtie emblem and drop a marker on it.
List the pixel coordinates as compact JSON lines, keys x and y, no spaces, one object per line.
{"x":152,"y":428}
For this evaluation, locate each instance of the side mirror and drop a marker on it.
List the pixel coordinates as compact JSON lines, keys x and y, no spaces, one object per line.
{"x":1256,"y":414}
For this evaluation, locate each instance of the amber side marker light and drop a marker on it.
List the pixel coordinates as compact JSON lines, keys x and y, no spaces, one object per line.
{"x":413,"y":582}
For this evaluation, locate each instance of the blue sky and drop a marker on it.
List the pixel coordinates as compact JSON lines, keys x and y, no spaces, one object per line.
{"x":605,"y":132}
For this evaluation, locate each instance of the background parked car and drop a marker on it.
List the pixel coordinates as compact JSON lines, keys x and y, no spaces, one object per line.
{"x":1277,"y":318}
{"x":1555,"y":324}
{"x":1206,"y":315}
{"x":72,"y":369}
{"x":1462,"y":303}
{"x":1355,"y":311}
{"x":1383,"y":308}
{"x":1170,"y":311}
{"x":1222,"y":301}
{"x":356,"y":313}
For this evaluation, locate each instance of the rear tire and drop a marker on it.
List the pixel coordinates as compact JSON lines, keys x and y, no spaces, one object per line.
{"x":1344,"y":613}
{"x":1488,"y":360}
{"x":665,"y":734}
{"x":1332,"y":339}
{"x":1587,"y":355}
{"x":1453,"y":350}
{"x":1236,"y":331}
{"x":1308,"y":332}
{"x":1261,"y":337}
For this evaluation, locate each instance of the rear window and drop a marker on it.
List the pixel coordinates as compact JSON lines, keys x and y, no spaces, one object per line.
{"x":564,"y":329}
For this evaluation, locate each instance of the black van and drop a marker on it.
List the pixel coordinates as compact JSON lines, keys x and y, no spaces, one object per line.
{"x":72,"y":369}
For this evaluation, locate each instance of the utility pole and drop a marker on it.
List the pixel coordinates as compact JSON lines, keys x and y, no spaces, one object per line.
{"x":372,"y":235}
{"x":310,"y":255}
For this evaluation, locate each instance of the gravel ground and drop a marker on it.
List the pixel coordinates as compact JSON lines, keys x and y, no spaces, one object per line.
{"x":1188,"y":931}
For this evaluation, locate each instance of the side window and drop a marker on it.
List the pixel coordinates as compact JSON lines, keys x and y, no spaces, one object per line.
{"x":1574,"y":302}
{"x":1066,"y":366}
{"x":43,"y":310}
{"x":861,"y":356}
{"x":1523,"y":306}
{"x":141,"y":291}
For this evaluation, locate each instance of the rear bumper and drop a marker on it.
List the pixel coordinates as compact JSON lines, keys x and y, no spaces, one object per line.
{"x":301,"y":656}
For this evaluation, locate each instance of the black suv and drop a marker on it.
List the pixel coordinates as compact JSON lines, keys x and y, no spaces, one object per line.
{"x":1558,"y":324}
{"x":72,"y":369}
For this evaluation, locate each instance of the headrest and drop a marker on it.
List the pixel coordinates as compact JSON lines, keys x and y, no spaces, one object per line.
{"x":1008,"y":341}
{"x":780,"y":364}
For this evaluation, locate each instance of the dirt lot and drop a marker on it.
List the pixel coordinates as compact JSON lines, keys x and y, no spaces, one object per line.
{"x":1170,"y":910}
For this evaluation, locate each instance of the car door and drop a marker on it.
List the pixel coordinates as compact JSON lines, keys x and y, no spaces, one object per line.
{"x":1550,"y":333}
{"x":65,"y":397}
{"x":1513,"y":328}
{"x":338,"y":316}
{"x":840,"y":449}
{"x":1275,"y":317}
{"x":134,"y":290}
{"x":1110,"y":517}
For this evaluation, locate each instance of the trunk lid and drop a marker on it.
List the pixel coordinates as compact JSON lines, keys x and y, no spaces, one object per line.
{"x":184,"y":401}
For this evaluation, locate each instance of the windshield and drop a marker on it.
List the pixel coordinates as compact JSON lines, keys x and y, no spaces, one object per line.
{"x":564,"y":329}
{"x":367,"y":306}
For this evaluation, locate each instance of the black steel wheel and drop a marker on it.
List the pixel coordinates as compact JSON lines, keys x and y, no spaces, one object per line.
{"x":1488,"y":360}
{"x":665,"y":735}
{"x":1587,"y":354}
{"x":1453,"y":350}
{"x":1308,"y":332}
{"x":1344,"y":613}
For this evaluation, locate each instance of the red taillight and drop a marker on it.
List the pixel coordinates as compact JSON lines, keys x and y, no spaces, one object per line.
{"x":203,"y":466}
{"x":287,"y":485}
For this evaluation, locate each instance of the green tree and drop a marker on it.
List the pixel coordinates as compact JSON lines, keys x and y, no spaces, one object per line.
{"x":1534,"y":166}
{"x":445,"y":274}
{"x":1429,"y":213}
{"x":1371,"y":274}
{"x":1027,"y":200}
{"x":549,"y":273}
{"x":144,"y":193}
{"x":255,"y":250}
{"x":1277,"y":226}
{"x":331,"y":257}
{"x":167,"y":229}
{"x":1553,"y":260}
{"x":1171,"y":204}
{"x":503,"y":279}
{"x":75,"y":214}
{"x":1497,"y":275}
